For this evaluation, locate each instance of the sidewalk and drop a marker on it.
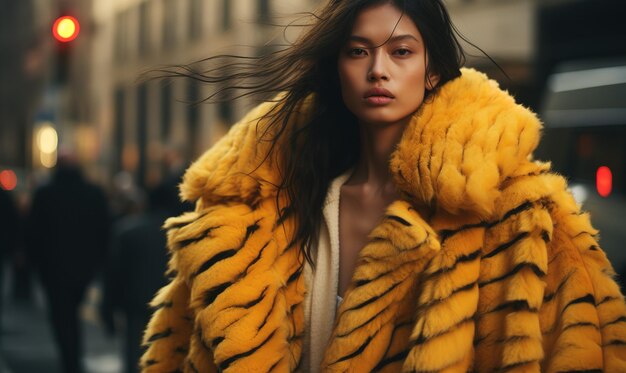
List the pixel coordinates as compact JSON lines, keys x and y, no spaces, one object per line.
{"x":28,"y":346}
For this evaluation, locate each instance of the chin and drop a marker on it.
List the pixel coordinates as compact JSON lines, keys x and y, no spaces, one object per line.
{"x":381,"y":120}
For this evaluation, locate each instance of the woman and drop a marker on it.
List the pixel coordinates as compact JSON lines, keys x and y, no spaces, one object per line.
{"x":396,"y":221}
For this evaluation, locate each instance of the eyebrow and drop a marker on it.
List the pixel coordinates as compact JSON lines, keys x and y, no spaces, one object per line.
{"x":392,"y":39}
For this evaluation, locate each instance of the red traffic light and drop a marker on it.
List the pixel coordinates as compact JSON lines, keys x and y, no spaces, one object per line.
{"x":604,"y":181}
{"x":65,"y":28}
{"x":8,"y":180}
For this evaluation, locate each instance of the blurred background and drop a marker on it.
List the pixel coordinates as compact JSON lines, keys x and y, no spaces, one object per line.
{"x":79,"y":128}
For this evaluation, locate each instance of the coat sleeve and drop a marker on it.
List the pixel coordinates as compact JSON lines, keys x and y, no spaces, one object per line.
{"x":583,"y":314}
{"x":169,"y":340}
{"x":166,"y":338}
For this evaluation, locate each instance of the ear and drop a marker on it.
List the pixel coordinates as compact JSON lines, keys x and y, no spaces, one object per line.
{"x":431,"y":81}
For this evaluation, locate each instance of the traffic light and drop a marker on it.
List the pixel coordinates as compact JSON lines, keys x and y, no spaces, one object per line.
{"x":64,"y":30}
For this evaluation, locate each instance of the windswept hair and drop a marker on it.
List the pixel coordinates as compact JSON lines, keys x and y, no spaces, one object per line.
{"x":328,"y":144}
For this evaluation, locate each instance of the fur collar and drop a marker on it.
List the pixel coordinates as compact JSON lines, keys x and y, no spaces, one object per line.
{"x":456,"y":152}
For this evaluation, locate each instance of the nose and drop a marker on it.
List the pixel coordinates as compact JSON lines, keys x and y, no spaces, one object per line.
{"x":377,"y":70}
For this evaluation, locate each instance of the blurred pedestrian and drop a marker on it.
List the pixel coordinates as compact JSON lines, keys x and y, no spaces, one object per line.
{"x":136,"y":269}
{"x":9,"y":228}
{"x":67,"y":238}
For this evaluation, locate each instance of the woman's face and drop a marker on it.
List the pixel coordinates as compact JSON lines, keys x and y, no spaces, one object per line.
{"x":383,"y":85}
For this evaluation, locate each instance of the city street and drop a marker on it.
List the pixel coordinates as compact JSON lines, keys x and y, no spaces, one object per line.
{"x":28,"y":346}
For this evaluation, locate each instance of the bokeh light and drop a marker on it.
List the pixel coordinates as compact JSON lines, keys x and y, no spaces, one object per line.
{"x":8,"y":180}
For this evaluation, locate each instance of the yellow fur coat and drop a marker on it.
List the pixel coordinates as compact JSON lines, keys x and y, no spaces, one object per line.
{"x":486,"y":264}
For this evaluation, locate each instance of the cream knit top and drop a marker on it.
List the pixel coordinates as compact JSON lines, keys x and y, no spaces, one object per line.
{"x":321,"y":300}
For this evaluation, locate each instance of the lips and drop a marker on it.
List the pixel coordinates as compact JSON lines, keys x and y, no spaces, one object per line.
{"x":378,"y":97}
{"x":380,"y":92}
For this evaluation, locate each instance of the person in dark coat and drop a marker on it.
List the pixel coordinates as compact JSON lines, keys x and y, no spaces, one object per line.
{"x":9,"y":225}
{"x":67,"y":238}
{"x":136,"y":268}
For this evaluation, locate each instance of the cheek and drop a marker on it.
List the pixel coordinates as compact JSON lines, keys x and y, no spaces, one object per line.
{"x":348,"y":82}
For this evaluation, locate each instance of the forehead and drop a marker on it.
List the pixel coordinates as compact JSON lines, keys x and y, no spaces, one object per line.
{"x":377,"y":23}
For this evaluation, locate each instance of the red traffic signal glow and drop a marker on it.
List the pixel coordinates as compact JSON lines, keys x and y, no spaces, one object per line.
{"x":65,"y":29}
{"x":8,"y":180}
{"x":604,"y":181}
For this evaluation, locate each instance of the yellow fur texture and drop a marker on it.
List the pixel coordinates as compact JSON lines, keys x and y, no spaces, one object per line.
{"x":486,"y":264}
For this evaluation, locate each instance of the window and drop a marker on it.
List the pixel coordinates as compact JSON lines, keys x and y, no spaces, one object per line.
{"x":169,"y":23}
{"x":226,"y":14}
{"x":195,"y":18}
{"x":144,"y":27}
{"x":193,"y":117}
{"x":264,"y":10}
{"x":166,"y":110}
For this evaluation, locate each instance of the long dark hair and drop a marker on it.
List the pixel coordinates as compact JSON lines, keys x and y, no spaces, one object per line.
{"x":328,"y":144}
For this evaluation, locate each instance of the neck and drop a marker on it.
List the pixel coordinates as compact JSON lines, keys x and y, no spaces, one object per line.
{"x":377,"y":143}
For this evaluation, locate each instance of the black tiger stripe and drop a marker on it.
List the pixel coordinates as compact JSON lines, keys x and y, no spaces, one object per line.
{"x":181,"y":350}
{"x":594,"y":248}
{"x":506,"y":245}
{"x":226,"y":363}
{"x":171,"y":274}
{"x":374,"y":298}
{"x":393,"y":334}
{"x":390,"y":360}
{"x":179,"y":245}
{"x":515,"y":270}
{"x":164,"y":334}
{"x":461,"y":259}
{"x":365,"y":281}
{"x":266,"y":317}
{"x":616,"y":342}
{"x":461,"y":289}
{"x":618,"y":320}
{"x":399,"y":220}
{"x":514,"y":365}
{"x":251,"y":303}
{"x":584,"y":299}
{"x":185,"y":223}
{"x":421,"y":339}
{"x":214,"y":292}
{"x":514,"y":305}
{"x":216,"y":341}
{"x":214,"y":259}
{"x":514,"y":211}
{"x":150,"y":362}
{"x":166,"y":304}
{"x":513,"y":338}
{"x":548,"y":297}
{"x":294,"y":275}
{"x":582,"y":371}
{"x":275,"y":365}
{"x":258,"y":257}
{"x":364,"y":322}
{"x":545,"y":236}
{"x":581,"y":324}
{"x":606,"y":299}
{"x":285,"y":213}
{"x":444,"y":234}
{"x":357,"y":352}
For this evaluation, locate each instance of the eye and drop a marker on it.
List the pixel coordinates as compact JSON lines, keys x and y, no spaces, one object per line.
{"x":402,"y":52}
{"x":357,"y":52}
